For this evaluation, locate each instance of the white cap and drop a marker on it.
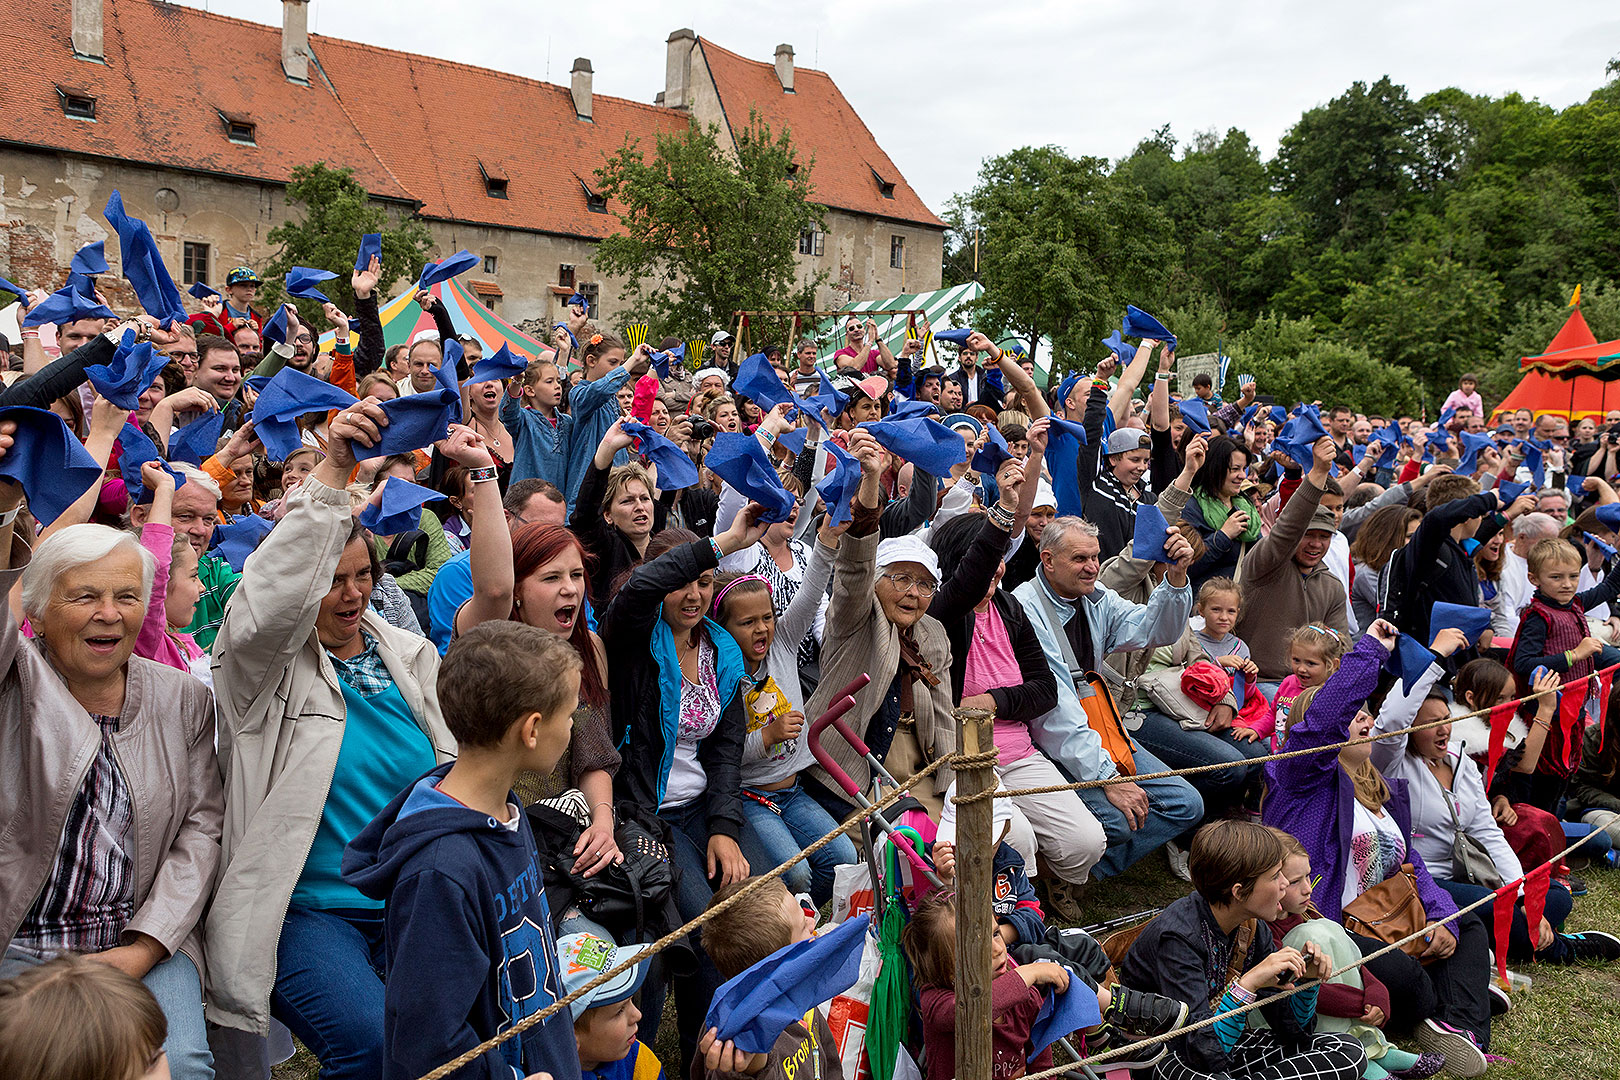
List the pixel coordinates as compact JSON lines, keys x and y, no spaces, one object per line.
{"x":703,"y":373}
{"x":425,"y":335}
{"x":908,"y":548}
{"x":1044,"y":495}
{"x":720,"y":336}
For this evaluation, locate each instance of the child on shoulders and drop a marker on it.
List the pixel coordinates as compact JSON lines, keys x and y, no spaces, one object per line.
{"x":1314,"y":653}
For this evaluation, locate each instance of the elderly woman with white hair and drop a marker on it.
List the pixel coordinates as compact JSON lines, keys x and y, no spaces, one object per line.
{"x":109,"y":788}
{"x":878,"y":624}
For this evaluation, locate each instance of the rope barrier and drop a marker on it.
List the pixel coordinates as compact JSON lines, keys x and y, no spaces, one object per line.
{"x":675,"y":935}
{"x":1131,"y":1048}
{"x":1080,"y":785}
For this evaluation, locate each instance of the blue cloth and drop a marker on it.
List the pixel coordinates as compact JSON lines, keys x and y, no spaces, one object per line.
{"x":829,"y":397}
{"x":275,"y":327}
{"x":1609,"y":515}
{"x":1300,"y":434}
{"x":383,"y":752}
{"x":1151,"y":532}
{"x":286,"y":397}
{"x":742,"y":462}
{"x":8,"y":286}
{"x":370,"y":245}
{"x":837,"y":488}
{"x":541,"y":447}
{"x":1196,"y":413}
{"x":503,"y":365}
{"x":956,"y":336}
{"x":399,"y":509}
{"x":65,"y":306}
{"x":661,"y":360}
{"x":143,"y":265}
{"x":197,"y":441}
{"x":238,"y":539}
{"x":1511,"y":490}
{"x":470,"y":943}
{"x":90,"y":259}
{"x":329,"y":988}
{"x":753,"y":1008}
{"x":201,"y":291}
{"x":911,"y":408}
{"x":1471,"y":446}
{"x":928,"y":444}
{"x":1472,"y":621}
{"x":675,"y":469}
{"x":1411,"y":660}
{"x":418,"y":420}
{"x":435,"y":272}
{"x":135,"y":450}
{"x":131,"y":371}
{"x":52,"y":467}
{"x":1139,"y":324}
{"x":594,"y":407}
{"x":994,"y":453}
{"x":758,"y":381}
{"x":775,"y":836}
{"x":301,"y":282}
{"x":1075,"y":1008}
{"x":1124,"y":352}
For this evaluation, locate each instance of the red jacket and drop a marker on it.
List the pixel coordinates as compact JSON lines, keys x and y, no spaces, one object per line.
{"x":206,"y":322}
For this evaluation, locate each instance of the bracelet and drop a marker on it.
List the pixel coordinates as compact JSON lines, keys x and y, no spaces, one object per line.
{"x":481,"y":475}
{"x":1243,"y":994}
{"x":1000,"y":517}
{"x":770,"y":440}
{"x":31,"y":332}
{"x":8,"y":516}
{"x":605,"y":803}
{"x":1542,"y":724}
{"x":1161,"y":375}
{"x":715,"y":545}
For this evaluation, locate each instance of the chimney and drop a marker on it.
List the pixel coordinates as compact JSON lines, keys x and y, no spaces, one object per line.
{"x":87,"y":29}
{"x":295,"y":40}
{"x":784,"y":67}
{"x":678,"y":69}
{"x":581,"y":88}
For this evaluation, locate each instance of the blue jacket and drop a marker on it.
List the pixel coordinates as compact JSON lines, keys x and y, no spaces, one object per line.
{"x":543,"y":448}
{"x":469,"y":938}
{"x":594,"y":409}
{"x":647,"y":690}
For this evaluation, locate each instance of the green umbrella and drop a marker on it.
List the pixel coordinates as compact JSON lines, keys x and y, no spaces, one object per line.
{"x":889,"y":1015}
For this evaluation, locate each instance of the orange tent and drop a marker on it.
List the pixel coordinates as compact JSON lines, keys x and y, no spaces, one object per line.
{"x":1540,"y":391}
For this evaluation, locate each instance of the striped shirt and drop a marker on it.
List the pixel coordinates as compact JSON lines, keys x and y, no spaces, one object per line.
{"x":89,"y":894}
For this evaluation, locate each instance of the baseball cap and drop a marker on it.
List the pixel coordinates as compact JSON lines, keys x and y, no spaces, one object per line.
{"x":1323,"y":520}
{"x":585,"y":956}
{"x":243,"y":275}
{"x":720,"y":337}
{"x":1125,"y":439}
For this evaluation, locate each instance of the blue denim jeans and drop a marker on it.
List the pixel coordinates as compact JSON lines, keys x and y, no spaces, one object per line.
{"x":1521,"y":945}
{"x":775,"y":836}
{"x":329,"y":988}
{"x":1183,"y":749}
{"x":1174,"y":806}
{"x":178,"y":989}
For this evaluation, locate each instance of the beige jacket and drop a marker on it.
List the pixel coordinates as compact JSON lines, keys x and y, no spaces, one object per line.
{"x":165,"y":749}
{"x":860,"y":640}
{"x":281,"y":718}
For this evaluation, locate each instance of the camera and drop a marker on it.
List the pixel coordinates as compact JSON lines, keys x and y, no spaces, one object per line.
{"x":701,"y":428}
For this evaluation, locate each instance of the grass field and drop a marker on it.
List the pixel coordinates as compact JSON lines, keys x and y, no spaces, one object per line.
{"x":1567,"y":1025}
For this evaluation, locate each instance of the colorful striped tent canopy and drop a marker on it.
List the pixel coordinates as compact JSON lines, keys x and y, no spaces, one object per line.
{"x":401,"y":319}
{"x":1566,"y":393}
{"x":938,"y":305}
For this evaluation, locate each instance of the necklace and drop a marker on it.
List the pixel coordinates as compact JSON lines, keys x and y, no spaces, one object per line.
{"x":492,"y":435}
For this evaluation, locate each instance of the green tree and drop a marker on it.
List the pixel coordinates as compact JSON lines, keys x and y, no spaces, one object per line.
{"x":705,"y":233}
{"x":1063,"y":247}
{"x":337,"y":212}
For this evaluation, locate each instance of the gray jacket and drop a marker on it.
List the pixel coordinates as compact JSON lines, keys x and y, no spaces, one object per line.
{"x":165,"y":749}
{"x":281,"y":718}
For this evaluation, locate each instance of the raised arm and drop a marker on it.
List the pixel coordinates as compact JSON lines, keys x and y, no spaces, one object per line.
{"x":1119,"y":400}
{"x":368,"y":356}
{"x":490,"y":544}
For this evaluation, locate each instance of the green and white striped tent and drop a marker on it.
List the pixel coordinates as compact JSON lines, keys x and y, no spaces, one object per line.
{"x":938,"y":304}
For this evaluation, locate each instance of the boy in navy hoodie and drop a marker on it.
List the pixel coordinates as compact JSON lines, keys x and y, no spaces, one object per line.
{"x":470,"y":945}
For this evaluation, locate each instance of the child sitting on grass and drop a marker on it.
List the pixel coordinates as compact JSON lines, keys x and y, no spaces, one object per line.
{"x":470,"y":946}
{"x":1355,"y":1002}
{"x":606,"y":1019}
{"x":74,"y":1018}
{"x":736,"y":939}
{"x":1214,"y":949}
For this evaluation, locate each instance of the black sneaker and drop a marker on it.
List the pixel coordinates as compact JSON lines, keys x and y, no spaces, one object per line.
{"x":1501,"y":1002}
{"x":1590,"y":945}
{"x":1140,"y":1015}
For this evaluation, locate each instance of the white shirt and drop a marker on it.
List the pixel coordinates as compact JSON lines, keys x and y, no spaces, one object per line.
{"x":1590,"y":580}
{"x":1513,"y":593}
{"x":1338,"y":561}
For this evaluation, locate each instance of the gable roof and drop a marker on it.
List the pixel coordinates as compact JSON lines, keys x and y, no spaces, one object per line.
{"x":848,"y":159}
{"x":169,"y":73}
{"x":413,"y":128}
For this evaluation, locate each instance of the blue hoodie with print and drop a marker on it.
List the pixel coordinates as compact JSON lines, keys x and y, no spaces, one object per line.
{"x":469,"y":940}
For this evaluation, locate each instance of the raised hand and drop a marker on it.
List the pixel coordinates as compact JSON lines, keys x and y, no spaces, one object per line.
{"x":364,"y":282}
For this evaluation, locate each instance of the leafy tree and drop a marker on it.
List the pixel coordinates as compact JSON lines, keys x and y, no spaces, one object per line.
{"x":1063,"y":247}
{"x":705,"y":233}
{"x":337,"y":213}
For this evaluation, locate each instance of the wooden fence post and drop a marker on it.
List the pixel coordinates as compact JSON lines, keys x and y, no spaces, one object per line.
{"x":975,"y":855}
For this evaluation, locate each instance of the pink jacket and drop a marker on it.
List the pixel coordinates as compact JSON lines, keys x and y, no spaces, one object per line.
{"x":154,"y":641}
{"x":1457,"y":399}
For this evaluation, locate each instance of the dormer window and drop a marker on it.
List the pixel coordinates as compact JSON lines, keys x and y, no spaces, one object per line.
{"x":885,"y":187}
{"x":495,"y":179}
{"x":594,"y":202}
{"x":79,"y":104}
{"x":239,"y":129}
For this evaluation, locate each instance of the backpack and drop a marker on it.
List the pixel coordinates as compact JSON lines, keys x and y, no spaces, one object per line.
{"x":409,"y":552}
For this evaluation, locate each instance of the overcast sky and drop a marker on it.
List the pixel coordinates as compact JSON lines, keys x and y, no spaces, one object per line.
{"x":946,"y":83}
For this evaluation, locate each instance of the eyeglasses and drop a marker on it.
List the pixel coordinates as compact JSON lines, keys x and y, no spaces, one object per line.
{"x":304,"y":339}
{"x":182,"y":354}
{"x":904,"y":583}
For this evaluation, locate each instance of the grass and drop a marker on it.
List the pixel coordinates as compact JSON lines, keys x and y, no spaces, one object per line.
{"x":1566,"y":1025}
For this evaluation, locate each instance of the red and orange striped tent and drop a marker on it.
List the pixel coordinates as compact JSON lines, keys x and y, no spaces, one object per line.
{"x":1551,"y":385}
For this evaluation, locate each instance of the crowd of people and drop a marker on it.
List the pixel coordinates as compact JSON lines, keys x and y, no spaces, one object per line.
{"x":384,"y":695}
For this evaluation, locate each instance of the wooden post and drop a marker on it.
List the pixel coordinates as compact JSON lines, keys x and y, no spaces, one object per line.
{"x":975,"y":854}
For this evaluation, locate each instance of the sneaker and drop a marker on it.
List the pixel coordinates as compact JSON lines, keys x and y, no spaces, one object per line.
{"x":1140,"y":1015}
{"x":1575,"y":885}
{"x":1428,"y":1063}
{"x":1180,"y":860}
{"x":1501,"y":1001}
{"x":1590,"y":945}
{"x":1463,"y":1056}
{"x":1062,"y":902}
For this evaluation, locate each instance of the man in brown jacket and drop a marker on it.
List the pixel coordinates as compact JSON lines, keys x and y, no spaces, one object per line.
{"x":1283,"y":580}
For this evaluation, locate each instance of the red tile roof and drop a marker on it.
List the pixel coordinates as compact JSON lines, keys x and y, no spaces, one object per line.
{"x":169,"y":72}
{"x":825,"y":126}
{"x":411,"y":127}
